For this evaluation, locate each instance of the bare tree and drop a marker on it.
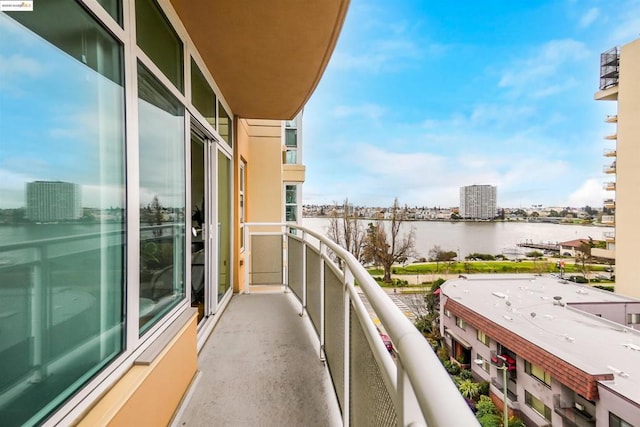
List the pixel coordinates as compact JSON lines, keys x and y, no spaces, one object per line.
{"x":346,"y":230}
{"x":385,"y":248}
{"x":437,"y":254}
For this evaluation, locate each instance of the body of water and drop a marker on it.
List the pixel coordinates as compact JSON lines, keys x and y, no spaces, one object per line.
{"x":482,"y":237}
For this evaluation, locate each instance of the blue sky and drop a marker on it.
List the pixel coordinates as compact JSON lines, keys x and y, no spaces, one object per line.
{"x":423,"y":97}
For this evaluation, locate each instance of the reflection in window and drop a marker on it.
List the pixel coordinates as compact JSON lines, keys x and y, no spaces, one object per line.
{"x":159,"y":41}
{"x":162,"y":199}
{"x":291,"y":203}
{"x":202,"y":96}
{"x":114,"y":7}
{"x":62,"y":207}
{"x":225,"y":125}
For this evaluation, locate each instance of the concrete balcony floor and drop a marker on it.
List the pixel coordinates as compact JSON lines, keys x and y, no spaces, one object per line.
{"x":260,"y":366}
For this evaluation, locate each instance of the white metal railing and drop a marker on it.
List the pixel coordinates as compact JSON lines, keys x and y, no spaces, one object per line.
{"x":608,"y":219}
{"x":416,"y":389}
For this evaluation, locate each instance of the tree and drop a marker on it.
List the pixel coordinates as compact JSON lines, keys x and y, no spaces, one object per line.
{"x":583,"y":256}
{"x":438,"y":255}
{"x":387,"y":248}
{"x":346,"y":230}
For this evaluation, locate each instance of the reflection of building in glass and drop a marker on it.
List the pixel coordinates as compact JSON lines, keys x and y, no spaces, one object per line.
{"x":53,"y":201}
{"x":478,"y":201}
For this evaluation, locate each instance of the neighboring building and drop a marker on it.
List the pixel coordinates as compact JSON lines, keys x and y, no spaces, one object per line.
{"x":478,"y":201}
{"x":570,"y":351}
{"x":172,"y":114}
{"x":49,"y":201}
{"x":619,"y":82}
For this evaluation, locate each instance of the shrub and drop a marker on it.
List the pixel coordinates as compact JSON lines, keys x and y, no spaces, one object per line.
{"x":452,"y":368}
{"x":605,"y":287}
{"x":484,"y":388}
{"x":443,"y":354}
{"x":466,"y":374}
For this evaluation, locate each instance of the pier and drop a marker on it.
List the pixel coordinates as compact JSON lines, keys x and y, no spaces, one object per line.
{"x":542,"y":246}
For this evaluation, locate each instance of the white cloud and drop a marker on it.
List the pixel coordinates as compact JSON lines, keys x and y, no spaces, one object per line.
{"x":368,"y":111}
{"x":544,"y":68}
{"x":591,"y":193}
{"x":589,"y":17}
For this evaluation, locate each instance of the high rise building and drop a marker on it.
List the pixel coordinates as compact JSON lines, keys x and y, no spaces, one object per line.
{"x":49,"y":201}
{"x":478,"y":201}
{"x":619,"y":82}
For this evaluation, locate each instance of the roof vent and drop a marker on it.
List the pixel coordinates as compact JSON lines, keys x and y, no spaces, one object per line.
{"x":633,"y":347}
{"x":499,"y":295}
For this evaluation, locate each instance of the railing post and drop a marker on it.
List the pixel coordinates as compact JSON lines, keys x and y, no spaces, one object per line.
{"x":408,"y":409}
{"x":323,"y":252}
{"x":304,"y":275}
{"x":348,"y":279}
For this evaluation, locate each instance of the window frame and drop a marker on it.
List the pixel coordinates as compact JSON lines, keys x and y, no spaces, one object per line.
{"x":531,"y":401}
{"x":531,"y":368}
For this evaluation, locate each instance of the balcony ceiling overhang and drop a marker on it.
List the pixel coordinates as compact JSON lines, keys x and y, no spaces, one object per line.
{"x":266,"y":57}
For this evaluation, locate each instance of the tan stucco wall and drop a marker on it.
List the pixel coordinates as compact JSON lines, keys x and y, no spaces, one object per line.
{"x":259,"y":144}
{"x":628,"y":172}
{"x":293,"y":173}
{"x":149,"y":395}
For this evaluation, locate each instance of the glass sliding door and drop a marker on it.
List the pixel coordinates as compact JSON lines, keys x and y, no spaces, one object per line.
{"x":224,"y":224}
{"x":200,"y":213}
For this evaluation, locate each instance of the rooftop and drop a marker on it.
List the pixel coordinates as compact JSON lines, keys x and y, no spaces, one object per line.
{"x":538,"y":308}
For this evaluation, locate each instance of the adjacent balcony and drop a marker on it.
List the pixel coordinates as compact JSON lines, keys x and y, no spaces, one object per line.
{"x":611,"y":118}
{"x":610,"y":203}
{"x":608,"y":152}
{"x":611,"y":137}
{"x":608,"y":219}
{"x":609,"y":68}
{"x":325,"y":287}
{"x":609,"y":186}
{"x":609,"y":236}
{"x":573,"y":413}
{"x":609,"y":168}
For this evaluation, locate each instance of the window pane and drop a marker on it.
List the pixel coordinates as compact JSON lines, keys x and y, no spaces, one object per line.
{"x":291,"y":213}
{"x":224,"y":224}
{"x":159,"y":41}
{"x":114,"y":7}
{"x":162,"y":199}
{"x":291,"y":157}
{"x":202,"y":96}
{"x":291,"y":194}
{"x":291,"y":137}
{"x":61,"y":207}
{"x":225,"y":125}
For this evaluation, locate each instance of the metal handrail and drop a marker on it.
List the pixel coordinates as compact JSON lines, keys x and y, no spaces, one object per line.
{"x":418,"y":370}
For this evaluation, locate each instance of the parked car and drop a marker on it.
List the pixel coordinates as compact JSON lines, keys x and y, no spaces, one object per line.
{"x":387,"y":342}
{"x":578,"y":279}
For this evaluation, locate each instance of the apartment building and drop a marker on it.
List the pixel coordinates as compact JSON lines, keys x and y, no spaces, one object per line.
{"x":569,"y":353}
{"x":178,"y":116}
{"x":478,"y":201}
{"x":618,"y":82}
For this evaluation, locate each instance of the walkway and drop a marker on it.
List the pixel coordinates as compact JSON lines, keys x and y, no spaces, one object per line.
{"x":260,"y":367}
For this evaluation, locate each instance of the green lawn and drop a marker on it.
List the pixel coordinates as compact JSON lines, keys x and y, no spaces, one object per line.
{"x":486,"y":267}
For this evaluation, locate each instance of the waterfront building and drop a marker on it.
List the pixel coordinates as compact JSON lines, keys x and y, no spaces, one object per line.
{"x":49,"y":201}
{"x":186,"y":118}
{"x":570,"y":352}
{"x":618,"y":82}
{"x":478,"y":201}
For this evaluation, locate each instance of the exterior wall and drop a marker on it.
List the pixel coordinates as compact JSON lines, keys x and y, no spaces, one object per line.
{"x":150,"y":395}
{"x":242,"y":153}
{"x":478,"y":201}
{"x":612,"y":402}
{"x":610,"y":311}
{"x":264,"y":171}
{"x":628,"y":172}
{"x":293,"y":173}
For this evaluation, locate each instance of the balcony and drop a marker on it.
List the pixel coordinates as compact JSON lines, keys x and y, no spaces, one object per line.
{"x":608,"y":219}
{"x":609,"y":168}
{"x":609,"y":68}
{"x":609,"y":186}
{"x":611,"y":118}
{"x":255,"y":364}
{"x":573,"y":413}
{"x":610,"y":203}
{"x":608,"y":152}
{"x":609,"y":236}
{"x":611,"y":137}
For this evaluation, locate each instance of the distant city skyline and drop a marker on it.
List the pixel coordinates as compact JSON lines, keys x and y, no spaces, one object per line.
{"x":421,"y":98}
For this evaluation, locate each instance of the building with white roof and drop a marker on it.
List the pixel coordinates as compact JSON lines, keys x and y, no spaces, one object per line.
{"x":572,"y":354}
